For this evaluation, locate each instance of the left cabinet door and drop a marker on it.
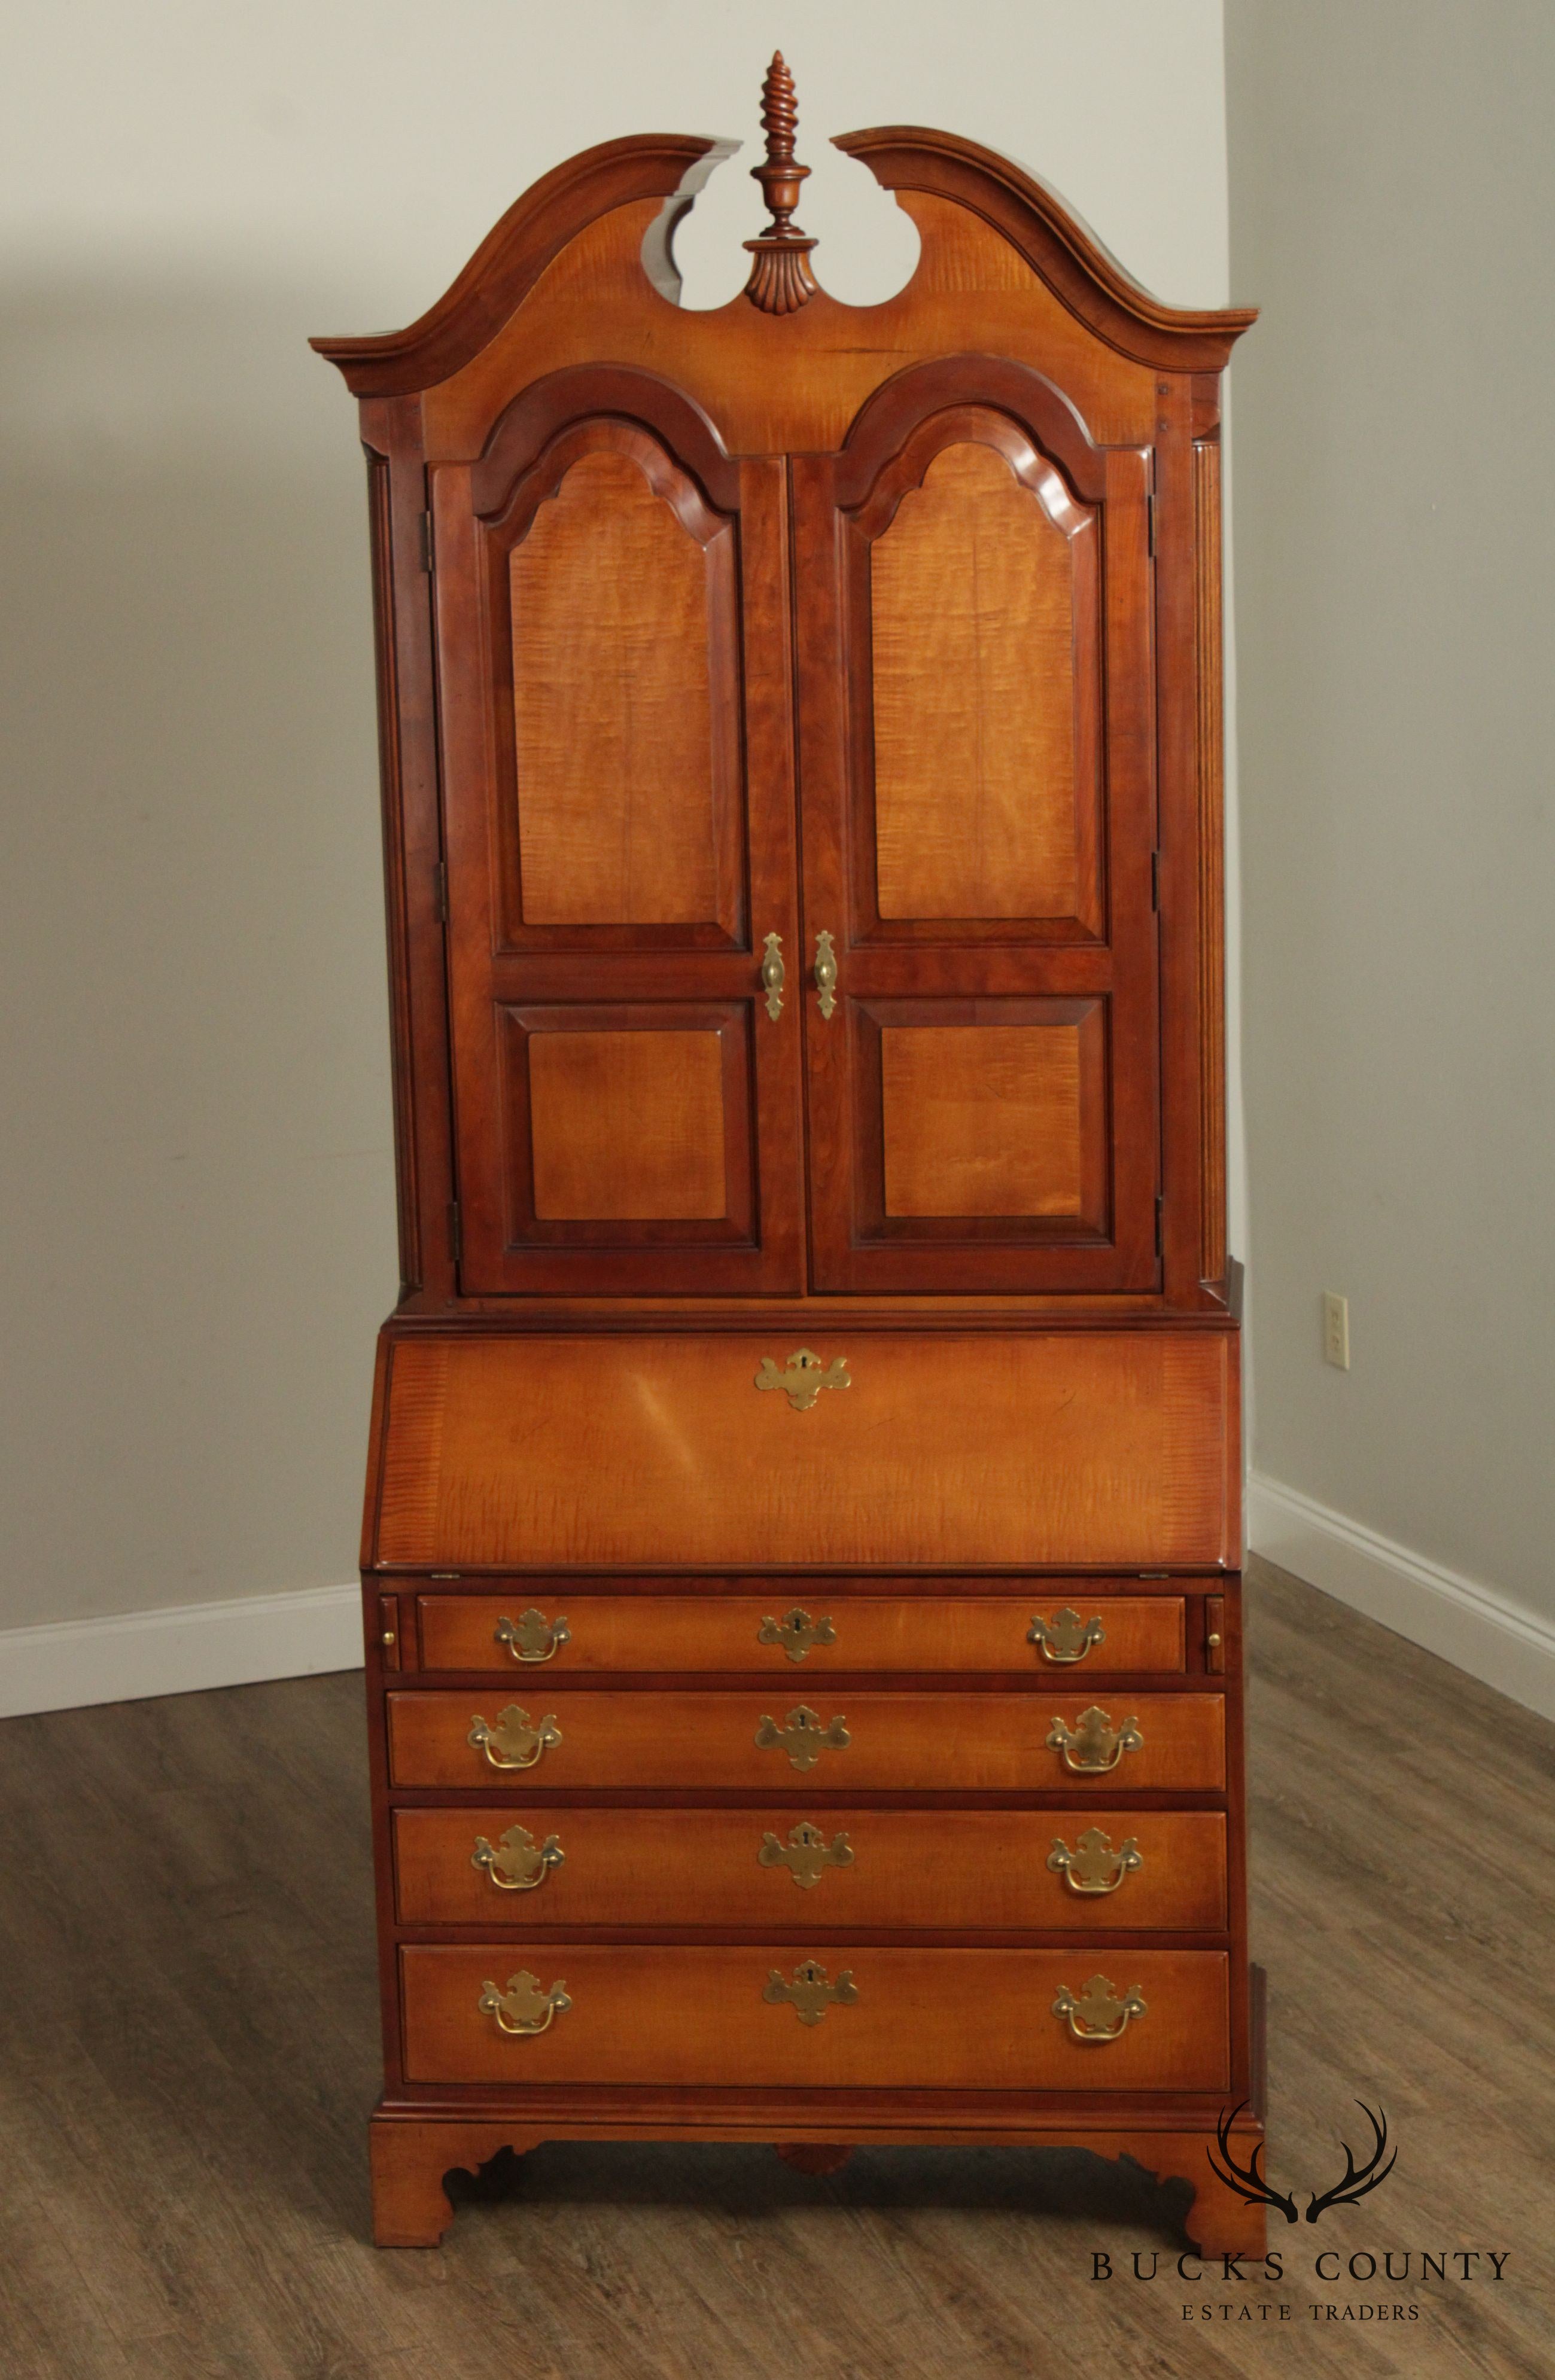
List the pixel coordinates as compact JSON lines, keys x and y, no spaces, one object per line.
{"x":612,"y":617}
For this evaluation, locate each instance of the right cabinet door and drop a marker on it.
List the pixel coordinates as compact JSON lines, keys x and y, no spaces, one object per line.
{"x":973,"y":584}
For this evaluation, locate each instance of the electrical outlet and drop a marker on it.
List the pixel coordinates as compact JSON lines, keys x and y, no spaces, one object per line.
{"x":1336,"y":1330}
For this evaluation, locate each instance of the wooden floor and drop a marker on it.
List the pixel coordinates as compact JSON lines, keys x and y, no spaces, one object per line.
{"x":189,"y":2051}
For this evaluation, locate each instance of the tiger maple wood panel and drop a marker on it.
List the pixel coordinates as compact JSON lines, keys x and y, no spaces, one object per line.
{"x":986,"y":1119}
{"x":626,"y":1124}
{"x":979,"y":1451}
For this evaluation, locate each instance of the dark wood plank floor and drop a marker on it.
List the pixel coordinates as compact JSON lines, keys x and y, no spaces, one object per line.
{"x":190,"y":2052}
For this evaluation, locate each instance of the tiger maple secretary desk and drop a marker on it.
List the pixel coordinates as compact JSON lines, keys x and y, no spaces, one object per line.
{"x":802,"y":1531}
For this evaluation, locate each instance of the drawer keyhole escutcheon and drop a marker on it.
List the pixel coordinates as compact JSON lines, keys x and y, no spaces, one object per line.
{"x":1099,"y":2014}
{"x":514,"y":1741}
{"x":1065,"y":1637}
{"x":523,"y":2007}
{"x":532,"y":1638}
{"x":1093,"y":1866}
{"x":1094,"y":1745}
{"x":802,"y":1735}
{"x":808,"y":1992}
{"x":518,"y":1863}
{"x":796,"y":1632}
{"x":807,"y":1854}
{"x":805,"y":1376}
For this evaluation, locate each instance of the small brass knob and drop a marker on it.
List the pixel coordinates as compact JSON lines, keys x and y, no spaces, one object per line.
{"x":1213,"y":1637}
{"x":388,"y":1637}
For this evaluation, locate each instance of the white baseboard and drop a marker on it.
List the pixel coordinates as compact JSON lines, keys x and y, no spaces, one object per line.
{"x":1470,"y":1625}
{"x":179,"y":1650}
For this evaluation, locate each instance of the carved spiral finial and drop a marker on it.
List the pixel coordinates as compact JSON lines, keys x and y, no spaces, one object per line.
{"x":780,"y":281}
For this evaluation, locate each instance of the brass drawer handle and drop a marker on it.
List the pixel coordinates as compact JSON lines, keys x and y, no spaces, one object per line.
{"x":772,"y":975}
{"x":519,"y":1865}
{"x":805,"y":1378}
{"x":513,"y":1741}
{"x":1099,"y":2014}
{"x":807,"y":1854}
{"x":825,"y":974}
{"x":796,"y":1632}
{"x":1093,"y":1866}
{"x":802,"y":1736}
{"x":523,"y":2007}
{"x":1065,"y":1637}
{"x":808,"y":1992}
{"x":532,"y":1638}
{"x":1094,"y":1745}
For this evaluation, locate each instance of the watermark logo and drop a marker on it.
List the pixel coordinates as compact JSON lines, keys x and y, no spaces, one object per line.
{"x":1248,"y":2182}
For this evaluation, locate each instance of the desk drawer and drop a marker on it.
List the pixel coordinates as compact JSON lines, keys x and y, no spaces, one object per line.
{"x":940,"y":1743}
{"x":968,"y":2019}
{"x":956,"y":1870}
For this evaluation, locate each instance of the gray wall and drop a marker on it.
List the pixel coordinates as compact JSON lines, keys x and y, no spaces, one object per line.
{"x":195,"y":1111}
{"x":1391,"y":180}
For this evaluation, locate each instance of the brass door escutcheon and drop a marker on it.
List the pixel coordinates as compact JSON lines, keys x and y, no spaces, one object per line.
{"x":532,"y":1638}
{"x":807,"y":1854}
{"x":808,"y":1992}
{"x":825,"y":974}
{"x":523,"y":2007}
{"x":513,"y":1741}
{"x":796,"y":1632}
{"x":805,"y":1378}
{"x":1093,"y":1866}
{"x":1099,"y":2014}
{"x":519,"y":1864}
{"x":1094,"y":1745}
{"x":1065,"y":1637}
{"x":772,"y":974}
{"x":802,"y":1736}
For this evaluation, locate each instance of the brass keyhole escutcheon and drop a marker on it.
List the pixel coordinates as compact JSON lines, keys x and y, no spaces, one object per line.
{"x":1094,"y":1745}
{"x":519,"y":1864}
{"x":1099,"y":2014}
{"x":796,"y":1632}
{"x":806,"y":1854}
{"x":1065,"y":1637}
{"x":532,"y":1638}
{"x":524,"y":2007}
{"x":808,"y":1991}
{"x":511,"y":1741}
{"x":805,"y":1378}
{"x":802,"y":1736}
{"x":773,"y":972}
{"x":825,"y":974}
{"x":1093,"y":1866}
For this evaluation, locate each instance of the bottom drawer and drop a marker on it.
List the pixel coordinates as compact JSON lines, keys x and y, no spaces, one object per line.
{"x":947,"y":2020}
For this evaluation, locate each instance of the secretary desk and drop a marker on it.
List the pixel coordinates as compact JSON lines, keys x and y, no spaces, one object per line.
{"x":801,"y":1534}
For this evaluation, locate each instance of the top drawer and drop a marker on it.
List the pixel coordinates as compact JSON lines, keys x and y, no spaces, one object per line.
{"x":919,"y":1449}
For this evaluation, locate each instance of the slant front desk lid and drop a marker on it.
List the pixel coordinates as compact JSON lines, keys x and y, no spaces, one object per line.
{"x":902,"y":1449}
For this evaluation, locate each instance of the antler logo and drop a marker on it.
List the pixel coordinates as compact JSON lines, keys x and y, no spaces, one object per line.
{"x":1354,"y":2182}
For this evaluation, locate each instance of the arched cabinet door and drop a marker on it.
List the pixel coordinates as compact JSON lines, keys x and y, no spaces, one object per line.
{"x":977,"y":740}
{"x":615,"y":704}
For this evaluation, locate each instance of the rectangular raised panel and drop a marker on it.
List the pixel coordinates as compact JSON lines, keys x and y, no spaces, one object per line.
{"x":706,"y":1740}
{"x":626,"y":748}
{"x":618,"y":1633}
{"x":920,"y":1870}
{"x":948,"y":1449}
{"x":626,"y":1124}
{"x":982,"y":1121}
{"x":972,"y":2020}
{"x":975,"y":627}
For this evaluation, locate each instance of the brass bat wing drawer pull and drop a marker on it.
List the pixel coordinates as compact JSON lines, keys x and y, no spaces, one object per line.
{"x":807,"y":1854}
{"x":796,"y":1632}
{"x":513,"y":1741}
{"x":519,"y":1864}
{"x":1099,"y":2014}
{"x":802,"y":1736}
{"x":1095,"y":1744}
{"x":532,"y":1638}
{"x":1065,"y":1637}
{"x":1093,"y":1866}
{"x":523,"y":2007}
{"x":809,"y":1993}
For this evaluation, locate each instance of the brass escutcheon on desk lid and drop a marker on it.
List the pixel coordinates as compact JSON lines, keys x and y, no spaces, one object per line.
{"x":809,"y":1992}
{"x":807,"y":1854}
{"x":532,"y":1638}
{"x":1099,"y":2014}
{"x":523,"y":2007}
{"x":1095,"y":1744}
{"x":802,"y":1735}
{"x":796,"y":1632}
{"x":513,"y":1740}
{"x":519,"y":1864}
{"x":1065,"y":1637}
{"x":1093,"y":1866}
{"x":805,"y":1378}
